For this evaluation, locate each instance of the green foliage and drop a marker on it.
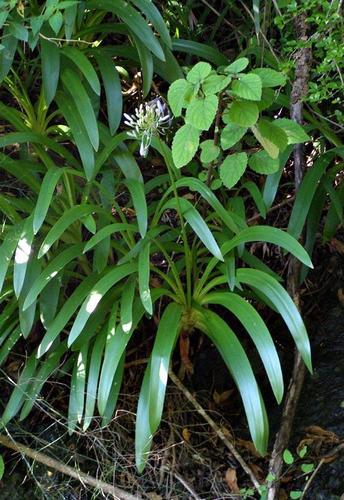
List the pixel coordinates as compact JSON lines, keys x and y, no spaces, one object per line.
{"x":325,"y":21}
{"x":235,"y":98}
{"x":76,"y":260}
{"x":2,"y":467}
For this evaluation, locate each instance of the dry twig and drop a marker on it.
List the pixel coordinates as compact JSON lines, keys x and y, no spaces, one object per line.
{"x":117,"y":493}
{"x":215,"y":427}
{"x":333,"y":452}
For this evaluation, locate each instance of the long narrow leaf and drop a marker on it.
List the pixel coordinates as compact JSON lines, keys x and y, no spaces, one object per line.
{"x":270,"y":288}
{"x":198,"y":224}
{"x":133,"y":19}
{"x":144,"y":276}
{"x":80,"y":135}
{"x":93,"y":377}
{"x":259,"y":333}
{"x":112,"y":87}
{"x":96,"y":294}
{"x":22,"y":256}
{"x":66,"y":312}
{"x":271,"y":235}
{"x":64,"y":222}
{"x":166,"y":337}
{"x":237,"y":362}
{"x":46,"y":192}
{"x":83,"y":104}
{"x":137,"y":193}
{"x":50,"y":271}
{"x":152,"y":13}
{"x":79,"y":58}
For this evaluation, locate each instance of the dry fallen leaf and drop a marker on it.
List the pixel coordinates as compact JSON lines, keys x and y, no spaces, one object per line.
{"x":154,"y":496}
{"x":247,"y":445}
{"x":221,"y":397}
{"x":186,"y":434}
{"x":340,"y":294}
{"x":231,"y":480}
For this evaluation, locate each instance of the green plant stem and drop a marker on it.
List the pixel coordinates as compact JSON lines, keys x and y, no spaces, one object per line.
{"x":172,"y":267}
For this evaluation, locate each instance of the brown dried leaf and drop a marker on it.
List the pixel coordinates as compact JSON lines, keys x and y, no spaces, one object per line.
{"x":340,"y":295}
{"x":231,"y":480}
{"x":319,"y":433}
{"x":186,"y":434}
{"x":221,"y":397}
{"x":249,"y":446}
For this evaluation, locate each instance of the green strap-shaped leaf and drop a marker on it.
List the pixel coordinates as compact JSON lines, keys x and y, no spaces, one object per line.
{"x":275,"y":293}
{"x":230,"y":270}
{"x":193,"y":217}
{"x":272,"y":181}
{"x":26,"y":317}
{"x":5,"y":315}
{"x":127,"y":163}
{"x":22,"y":256}
{"x":143,"y":433}
{"x":46,"y":192}
{"x":44,"y":372}
{"x":199,"y":49}
{"x":144,"y":276}
{"x":16,"y":168}
{"x":106,"y":231}
{"x":8,"y":345}
{"x":111,"y":360}
{"x":93,"y":377}
{"x":109,"y":147}
{"x":7,"y":250}
{"x":133,"y":20}
{"x":66,"y":312}
{"x":147,"y":65}
{"x":256,"y":328}
{"x":48,"y":301}
{"x":50,"y":271}
{"x":77,"y":390}
{"x":19,"y":393}
{"x":169,"y":70}
{"x":257,"y":263}
{"x":83,"y":104}
{"x":8,"y":210}
{"x":64,"y":222}
{"x":36,"y":138}
{"x":253,"y":189}
{"x":81,"y":137}
{"x":152,"y":13}
{"x":127,"y":300}
{"x":96,"y":321}
{"x":307,"y":189}
{"x":114,"y":392}
{"x":9,"y":44}
{"x":270,"y":235}
{"x":116,"y":348}
{"x":112,"y":87}
{"x":50,"y":57}
{"x":96,"y":294}
{"x":137,"y":193}
{"x":83,"y":64}
{"x":70,"y":15}
{"x":232,"y":221}
{"x":166,"y":337}
{"x":102,"y":250}
{"x":238,"y":364}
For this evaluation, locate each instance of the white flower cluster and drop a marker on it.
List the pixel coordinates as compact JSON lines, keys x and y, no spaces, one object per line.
{"x":150,"y":119}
